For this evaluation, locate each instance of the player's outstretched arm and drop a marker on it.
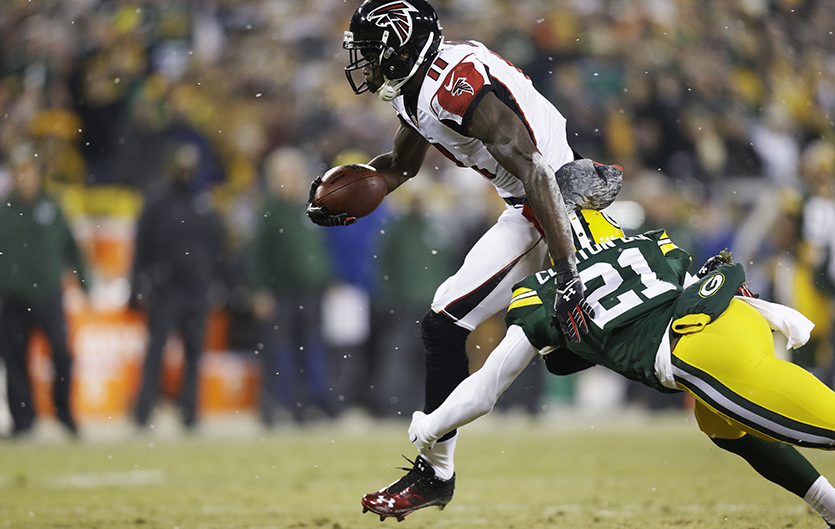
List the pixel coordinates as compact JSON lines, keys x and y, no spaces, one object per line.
{"x":511,"y":145}
{"x":478,"y":393}
{"x":405,"y":159}
{"x":397,"y":166}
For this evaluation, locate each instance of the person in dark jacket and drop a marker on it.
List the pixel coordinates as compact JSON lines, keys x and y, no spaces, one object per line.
{"x":178,"y":256}
{"x":37,"y":248}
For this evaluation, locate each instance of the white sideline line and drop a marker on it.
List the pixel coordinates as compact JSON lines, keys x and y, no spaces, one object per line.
{"x":131,"y":478}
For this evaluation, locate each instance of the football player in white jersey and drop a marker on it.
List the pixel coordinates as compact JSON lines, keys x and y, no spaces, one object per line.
{"x":484,"y":113}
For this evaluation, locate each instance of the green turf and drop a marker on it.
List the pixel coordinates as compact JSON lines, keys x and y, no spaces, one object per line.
{"x":643,"y":472}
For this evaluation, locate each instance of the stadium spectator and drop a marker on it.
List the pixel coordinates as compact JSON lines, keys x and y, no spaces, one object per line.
{"x":179,"y":257}
{"x":347,"y":319}
{"x":141,"y":130}
{"x":37,"y":249}
{"x":55,"y":127}
{"x":414,"y":256}
{"x":790,"y":279}
{"x":794,"y":247}
{"x":291,"y":270}
{"x":99,"y":101}
{"x":817,"y":172}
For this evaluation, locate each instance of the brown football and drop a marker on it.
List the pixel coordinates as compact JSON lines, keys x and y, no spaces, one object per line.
{"x":355,"y":189}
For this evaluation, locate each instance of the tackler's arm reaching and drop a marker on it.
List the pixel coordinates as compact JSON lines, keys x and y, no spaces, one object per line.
{"x":477,"y":394}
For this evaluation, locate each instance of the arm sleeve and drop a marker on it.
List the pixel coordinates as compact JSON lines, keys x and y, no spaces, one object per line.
{"x":678,"y":259}
{"x":477,"y":394}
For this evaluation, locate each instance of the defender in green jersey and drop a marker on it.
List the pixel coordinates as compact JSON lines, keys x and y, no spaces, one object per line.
{"x":701,"y":338}
{"x":627,"y":279}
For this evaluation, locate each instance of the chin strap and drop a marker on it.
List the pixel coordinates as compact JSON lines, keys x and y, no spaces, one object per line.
{"x":391,"y":88}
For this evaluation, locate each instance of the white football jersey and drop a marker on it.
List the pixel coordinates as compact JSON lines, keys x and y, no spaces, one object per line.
{"x":459,"y":76}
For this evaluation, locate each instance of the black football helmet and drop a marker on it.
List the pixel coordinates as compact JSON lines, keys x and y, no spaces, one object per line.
{"x":380,"y":31}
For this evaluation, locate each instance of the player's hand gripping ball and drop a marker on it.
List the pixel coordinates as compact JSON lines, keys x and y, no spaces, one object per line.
{"x":346,"y":193}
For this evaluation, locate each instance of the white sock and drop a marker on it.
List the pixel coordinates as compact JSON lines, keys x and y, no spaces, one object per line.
{"x":821,"y":497}
{"x":441,"y":457}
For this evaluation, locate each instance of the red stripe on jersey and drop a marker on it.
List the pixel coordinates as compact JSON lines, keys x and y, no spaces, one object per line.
{"x":434,"y":74}
{"x":440,"y":63}
{"x":462,"y":306}
{"x":459,"y":88}
{"x":509,"y":64}
{"x":513,"y":104}
{"x":447,"y":154}
{"x":528,"y":213}
{"x":483,"y":172}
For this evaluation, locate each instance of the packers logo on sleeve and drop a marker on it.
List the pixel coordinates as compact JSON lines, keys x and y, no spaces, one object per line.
{"x":711,"y":285}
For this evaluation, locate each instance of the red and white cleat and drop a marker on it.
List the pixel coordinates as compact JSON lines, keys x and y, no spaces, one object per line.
{"x":419,"y":488}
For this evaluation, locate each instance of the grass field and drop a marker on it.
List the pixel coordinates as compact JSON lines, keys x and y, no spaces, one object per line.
{"x":638,"y":471}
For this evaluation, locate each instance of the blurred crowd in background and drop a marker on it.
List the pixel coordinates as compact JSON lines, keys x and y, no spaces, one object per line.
{"x":720,"y":112}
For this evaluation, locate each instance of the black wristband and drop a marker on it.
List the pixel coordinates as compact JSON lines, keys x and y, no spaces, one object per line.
{"x":565,"y":270}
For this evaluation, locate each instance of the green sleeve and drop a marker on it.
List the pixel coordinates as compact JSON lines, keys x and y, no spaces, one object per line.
{"x":677,"y":259}
{"x":531,"y":308}
{"x":709,"y":297}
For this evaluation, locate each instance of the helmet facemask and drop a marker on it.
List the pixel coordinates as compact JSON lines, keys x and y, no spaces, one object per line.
{"x":364,"y":54}
{"x":394,"y":38}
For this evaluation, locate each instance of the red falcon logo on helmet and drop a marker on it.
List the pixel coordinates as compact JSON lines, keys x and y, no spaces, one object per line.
{"x":397,"y":16}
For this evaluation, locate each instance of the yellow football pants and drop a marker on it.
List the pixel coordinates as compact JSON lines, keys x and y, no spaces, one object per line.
{"x":742,"y":387}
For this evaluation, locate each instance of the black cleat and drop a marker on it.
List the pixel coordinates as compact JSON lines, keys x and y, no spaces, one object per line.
{"x":419,"y":488}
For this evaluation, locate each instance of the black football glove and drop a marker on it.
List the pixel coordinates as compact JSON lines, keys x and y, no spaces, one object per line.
{"x":713,"y":263}
{"x":321,"y":214}
{"x":570,"y":305}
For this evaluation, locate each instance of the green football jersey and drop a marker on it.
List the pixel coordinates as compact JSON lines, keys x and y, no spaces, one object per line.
{"x":632,"y":283}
